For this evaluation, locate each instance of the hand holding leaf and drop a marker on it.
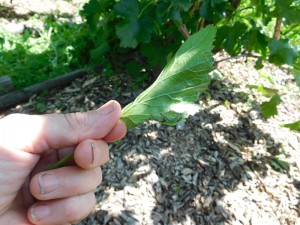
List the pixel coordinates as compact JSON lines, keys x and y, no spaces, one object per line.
{"x":171,"y":97}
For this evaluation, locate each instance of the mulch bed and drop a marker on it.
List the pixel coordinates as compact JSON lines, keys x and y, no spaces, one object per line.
{"x":213,"y":169}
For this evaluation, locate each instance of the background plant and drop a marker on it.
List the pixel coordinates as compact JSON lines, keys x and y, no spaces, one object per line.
{"x":136,"y":38}
{"x":269,"y":28}
{"x":141,"y":35}
{"x":40,"y":54}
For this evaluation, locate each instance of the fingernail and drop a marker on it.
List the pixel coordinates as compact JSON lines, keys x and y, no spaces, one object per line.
{"x":93,"y":154}
{"x":107,"y":108}
{"x":48,"y":183}
{"x":39,"y":212}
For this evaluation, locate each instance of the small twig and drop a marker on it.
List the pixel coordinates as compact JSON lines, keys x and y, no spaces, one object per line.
{"x":184,"y":31}
{"x":264,"y":186}
{"x":201,"y":23}
{"x":277,"y":29}
{"x":195,"y":7}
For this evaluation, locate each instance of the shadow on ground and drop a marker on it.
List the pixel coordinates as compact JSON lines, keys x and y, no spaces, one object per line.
{"x":195,"y":166}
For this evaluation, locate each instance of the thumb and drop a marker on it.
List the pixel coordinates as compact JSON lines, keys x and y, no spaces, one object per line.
{"x":37,"y":133}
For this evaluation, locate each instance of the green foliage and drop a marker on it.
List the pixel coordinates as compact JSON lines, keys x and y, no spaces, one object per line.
{"x":279,"y":164}
{"x":30,"y":58}
{"x":124,"y":30}
{"x":269,"y":108}
{"x":136,"y":27}
{"x":156,"y":28}
{"x":281,"y":52}
{"x":170,"y":98}
{"x":288,"y":9}
{"x":139,"y":37}
{"x":267,"y":92}
{"x":295,"y":126}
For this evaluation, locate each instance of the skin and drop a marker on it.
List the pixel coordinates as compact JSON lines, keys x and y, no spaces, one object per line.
{"x":30,"y":143}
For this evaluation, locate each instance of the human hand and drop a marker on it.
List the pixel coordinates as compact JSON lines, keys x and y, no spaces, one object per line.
{"x":31,"y":143}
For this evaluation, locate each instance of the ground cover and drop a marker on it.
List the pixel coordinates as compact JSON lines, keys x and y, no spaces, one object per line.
{"x":220,"y":167}
{"x":226,"y":165}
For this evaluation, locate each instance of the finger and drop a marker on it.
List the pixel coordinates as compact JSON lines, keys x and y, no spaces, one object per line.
{"x":37,"y":133}
{"x":117,"y":133}
{"x":62,"y":211}
{"x":90,"y":153}
{"x":50,"y":157}
{"x":64,"y":182}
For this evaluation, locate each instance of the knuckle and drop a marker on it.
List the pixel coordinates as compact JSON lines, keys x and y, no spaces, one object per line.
{"x":104,"y":152}
{"x":97,"y":174}
{"x":76,"y":121}
{"x":73,"y":210}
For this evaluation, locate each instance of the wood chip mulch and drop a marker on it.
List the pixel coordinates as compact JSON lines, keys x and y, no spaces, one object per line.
{"x":213,"y":169}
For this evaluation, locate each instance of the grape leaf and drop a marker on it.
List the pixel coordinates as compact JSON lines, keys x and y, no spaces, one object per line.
{"x":279,"y":164}
{"x":289,"y":9}
{"x":281,"y":52}
{"x":267,"y":92}
{"x":92,"y":11}
{"x":270,"y":108}
{"x":231,"y":37}
{"x":171,"y":97}
{"x":171,"y":9}
{"x":293,"y":126}
{"x":213,"y":10}
{"x":256,"y":41}
{"x":136,"y":26}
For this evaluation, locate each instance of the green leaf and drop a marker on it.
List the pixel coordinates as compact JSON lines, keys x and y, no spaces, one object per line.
{"x":172,"y":9}
{"x":267,"y":92}
{"x":288,"y":9}
{"x":279,"y":164}
{"x":231,"y":37}
{"x":171,"y":97}
{"x":94,"y":9}
{"x":281,"y":52}
{"x":128,"y":8}
{"x":293,"y":126}
{"x":297,"y":78}
{"x":259,"y":64}
{"x":222,"y":33}
{"x":136,"y":26}
{"x":260,"y":8}
{"x":270,"y":108}
{"x":256,"y":41}
{"x":166,"y":51}
{"x":213,"y":10}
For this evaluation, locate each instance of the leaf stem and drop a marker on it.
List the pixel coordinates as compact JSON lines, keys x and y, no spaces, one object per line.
{"x":145,"y":7}
{"x":277,"y":28}
{"x":61,"y":162}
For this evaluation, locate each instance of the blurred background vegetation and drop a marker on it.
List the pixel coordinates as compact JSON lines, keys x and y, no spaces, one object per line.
{"x":136,"y":38}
